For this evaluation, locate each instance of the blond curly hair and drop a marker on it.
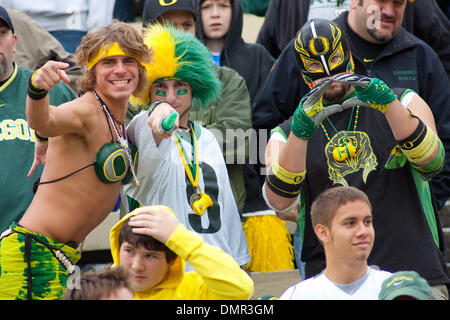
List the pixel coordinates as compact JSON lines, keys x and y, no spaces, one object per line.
{"x":128,"y":39}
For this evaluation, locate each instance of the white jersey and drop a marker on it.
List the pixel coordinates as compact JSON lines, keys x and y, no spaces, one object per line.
{"x":322,"y":288}
{"x":163,"y":181}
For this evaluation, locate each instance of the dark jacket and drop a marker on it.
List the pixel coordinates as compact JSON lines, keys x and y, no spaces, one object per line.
{"x":282,"y":21}
{"x":423,"y":18}
{"x":405,"y":62}
{"x":252,"y":61}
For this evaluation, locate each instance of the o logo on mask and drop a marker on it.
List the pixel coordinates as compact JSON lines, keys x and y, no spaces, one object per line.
{"x":319,"y":45}
{"x":163,"y":3}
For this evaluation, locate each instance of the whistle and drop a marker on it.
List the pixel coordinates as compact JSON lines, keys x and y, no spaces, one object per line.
{"x":342,"y":153}
{"x":203,"y":203}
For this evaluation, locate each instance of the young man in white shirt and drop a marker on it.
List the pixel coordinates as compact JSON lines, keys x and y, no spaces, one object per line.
{"x":342,"y":221}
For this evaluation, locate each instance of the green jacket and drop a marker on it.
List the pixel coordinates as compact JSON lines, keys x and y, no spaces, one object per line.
{"x":232,"y":111}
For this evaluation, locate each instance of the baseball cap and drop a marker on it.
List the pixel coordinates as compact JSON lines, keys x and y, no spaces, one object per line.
{"x":405,"y":283}
{"x":5,"y":17}
{"x":153,"y":9}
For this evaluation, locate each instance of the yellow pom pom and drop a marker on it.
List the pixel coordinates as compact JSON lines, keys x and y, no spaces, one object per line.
{"x":269,"y":244}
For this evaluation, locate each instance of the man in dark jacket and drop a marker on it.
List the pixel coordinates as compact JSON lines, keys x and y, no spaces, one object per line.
{"x":285,"y":17}
{"x":404,"y":61}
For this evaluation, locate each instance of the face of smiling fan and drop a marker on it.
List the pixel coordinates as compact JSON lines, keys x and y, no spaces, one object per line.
{"x":117,"y":77}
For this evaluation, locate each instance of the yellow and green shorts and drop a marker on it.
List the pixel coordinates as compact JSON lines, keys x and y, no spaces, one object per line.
{"x":33,"y":266}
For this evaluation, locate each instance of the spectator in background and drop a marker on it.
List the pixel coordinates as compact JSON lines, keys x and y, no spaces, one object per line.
{"x":341,"y":218}
{"x":68,"y":21}
{"x":220,"y":29}
{"x":108,"y":284}
{"x":17,"y":139}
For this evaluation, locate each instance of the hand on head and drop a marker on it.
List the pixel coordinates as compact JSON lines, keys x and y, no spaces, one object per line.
{"x":154,"y":222}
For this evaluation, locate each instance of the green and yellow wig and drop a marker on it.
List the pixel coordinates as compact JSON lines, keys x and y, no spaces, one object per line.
{"x":181,"y":56}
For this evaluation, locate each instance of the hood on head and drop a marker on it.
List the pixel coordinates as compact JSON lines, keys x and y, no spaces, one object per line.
{"x":234,"y":35}
{"x":176,"y":271}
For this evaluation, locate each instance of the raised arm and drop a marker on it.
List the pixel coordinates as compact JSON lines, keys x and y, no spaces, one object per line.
{"x":285,"y":177}
{"x":47,"y":120}
{"x":413,"y":126}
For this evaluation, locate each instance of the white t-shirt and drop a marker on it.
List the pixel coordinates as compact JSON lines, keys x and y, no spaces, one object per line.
{"x":321,"y":288}
{"x":163,"y":181}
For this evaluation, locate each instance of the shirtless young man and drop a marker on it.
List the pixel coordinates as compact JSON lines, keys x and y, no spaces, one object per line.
{"x":87,"y":158}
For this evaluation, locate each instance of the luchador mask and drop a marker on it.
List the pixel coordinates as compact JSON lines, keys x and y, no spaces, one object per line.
{"x":321,"y":49}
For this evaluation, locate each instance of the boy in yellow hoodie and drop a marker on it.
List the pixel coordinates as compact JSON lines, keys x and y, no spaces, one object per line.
{"x":155,"y":246}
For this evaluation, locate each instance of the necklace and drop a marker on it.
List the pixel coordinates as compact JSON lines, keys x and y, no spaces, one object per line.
{"x":347,"y":148}
{"x":122,"y":140}
{"x":110,"y":114}
{"x":122,"y":123}
{"x":199,"y":201}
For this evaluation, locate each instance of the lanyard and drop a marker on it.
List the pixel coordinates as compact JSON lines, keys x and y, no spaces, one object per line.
{"x":199,"y":201}
{"x":191,"y":168}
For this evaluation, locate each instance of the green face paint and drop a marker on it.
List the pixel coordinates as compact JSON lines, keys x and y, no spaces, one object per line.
{"x":160,"y":93}
{"x":182,"y":92}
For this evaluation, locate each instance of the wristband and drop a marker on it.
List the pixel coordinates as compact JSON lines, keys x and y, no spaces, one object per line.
{"x":39,"y":138}
{"x":434,"y":166}
{"x":283,"y":182}
{"x":33,"y":92}
{"x":420,"y":145}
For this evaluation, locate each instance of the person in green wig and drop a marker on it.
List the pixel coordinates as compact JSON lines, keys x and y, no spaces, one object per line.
{"x":183,"y":167}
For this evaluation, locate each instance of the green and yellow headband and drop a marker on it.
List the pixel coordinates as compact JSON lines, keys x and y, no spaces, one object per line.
{"x":106,"y":51}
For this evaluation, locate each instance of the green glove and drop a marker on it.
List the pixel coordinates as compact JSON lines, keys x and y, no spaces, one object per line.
{"x":310,"y":112}
{"x":370,"y":90}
